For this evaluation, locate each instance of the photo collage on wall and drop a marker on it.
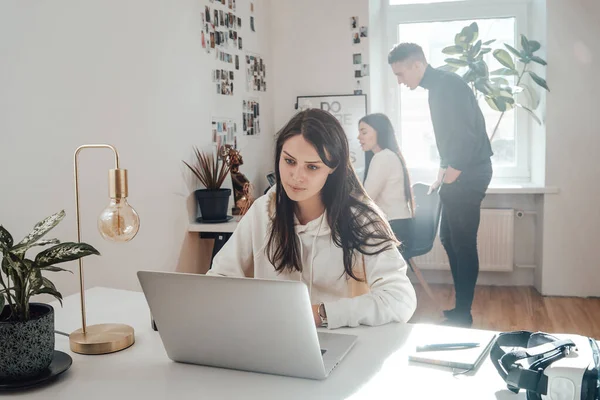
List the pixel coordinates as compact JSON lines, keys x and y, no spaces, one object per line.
{"x":224,"y":81}
{"x":224,"y":132}
{"x":255,"y":73}
{"x":251,"y":114}
{"x":361,"y":70}
{"x":220,"y":31}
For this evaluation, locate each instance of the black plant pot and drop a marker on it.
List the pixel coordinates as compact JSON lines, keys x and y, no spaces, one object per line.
{"x":26,"y":348}
{"x":213,"y":204}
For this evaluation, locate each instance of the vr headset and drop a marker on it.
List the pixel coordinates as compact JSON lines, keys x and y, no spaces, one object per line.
{"x":548,"y":368}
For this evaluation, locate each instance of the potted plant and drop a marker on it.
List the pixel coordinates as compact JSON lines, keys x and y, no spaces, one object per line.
{"x":211,"y":171}
{"x":27,"y":328}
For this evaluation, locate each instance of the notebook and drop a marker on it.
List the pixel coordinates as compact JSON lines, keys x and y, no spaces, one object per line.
{"x":466,"y":359}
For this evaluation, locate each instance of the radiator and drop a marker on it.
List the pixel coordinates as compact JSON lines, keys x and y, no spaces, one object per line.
{"x":495,"y":242}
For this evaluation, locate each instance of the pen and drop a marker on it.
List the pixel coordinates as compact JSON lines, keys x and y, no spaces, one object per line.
{"x":447,"y":346}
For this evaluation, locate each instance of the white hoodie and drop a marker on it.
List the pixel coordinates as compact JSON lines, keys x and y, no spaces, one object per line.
{"x":387,"y":295}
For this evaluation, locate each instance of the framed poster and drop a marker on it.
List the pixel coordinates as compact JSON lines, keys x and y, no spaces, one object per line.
{"x":348,"y":109}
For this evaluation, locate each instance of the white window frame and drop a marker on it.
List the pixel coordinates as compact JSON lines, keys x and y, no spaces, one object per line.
{"x":452,"y":11}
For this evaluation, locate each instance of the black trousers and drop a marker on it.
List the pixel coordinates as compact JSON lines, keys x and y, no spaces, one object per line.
{"x":461,"y":210}
{"x":403,"y":230}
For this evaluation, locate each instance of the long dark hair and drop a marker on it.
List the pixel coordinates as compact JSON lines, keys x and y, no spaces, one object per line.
{"x":355,"y":224}
{"x":386,"y":139}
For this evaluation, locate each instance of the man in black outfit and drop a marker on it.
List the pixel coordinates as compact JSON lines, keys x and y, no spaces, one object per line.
{"x":465,"y":166}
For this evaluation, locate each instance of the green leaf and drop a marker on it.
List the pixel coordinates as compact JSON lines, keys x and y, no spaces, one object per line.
{"x":481,"y":69}
{"x":485,"y":50}
{"x":489,"y":42}
{"x":483,"y":86}
{"x":455,"y":62}
{"x":504,"y":58}
{"x":535,"y":117}
{"x":469,"y":76}
{"x":539,"y":60}
{"x":532,"y":95}
{"x":5,"y":237}
{"x":451,"y":50}
{"x":53,"y":268}
{"x":48,"y":283}
{"x":525,"y":44}
{"x":534,"y":46}
{"x":2,"y":302}
{"x":516,"y":52}
{"x":475,"y":49}
{"x":504,"y":72}
{"x":467,"y":35}
{"x":46,"y":290}
{"x":39,"y":230}
{"x":539,"y":80}
{"x":495,"y":105}
{"x":499,"y":81}
{"x":448,"y":67}
{"x":64,"y":252}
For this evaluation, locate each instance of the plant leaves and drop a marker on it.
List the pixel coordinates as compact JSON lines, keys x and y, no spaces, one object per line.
{"x":495,"y":104}
{"x":539,"y":60}
{"x":451,"y":50}
{"x":539,"y":80}
{"x":534,"y":46}
{"x":504,"y":58}
{"x":2,"y":302}
{"x":53,"y":268}
{"x":467,"y":35}
{"x":499,"y":81}
{"x":5,"y":238}
{"x":481,"y":69}
{"x":39,"y":230}
{"x":489,"y":42}
{"x":504,"y":72}
{"x":483,"y":86}
{"x":448,"y":67}
{"x":516,"y":52}
{"x":525,"y":45}
{"x":485,"y":50}
{"x":532,"y":95}
{"x":535,"y":117}
{"x":47,"y":290}
{"x":64,"y":252}
{"x":474,"y":51}
{"x":455,"y":62}
{"x":469,"y":76}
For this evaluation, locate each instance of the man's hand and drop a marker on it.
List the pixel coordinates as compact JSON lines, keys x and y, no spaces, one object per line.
{"x":451,"y":175}
{"x":434,"y":186}
{"x":316,"y":317}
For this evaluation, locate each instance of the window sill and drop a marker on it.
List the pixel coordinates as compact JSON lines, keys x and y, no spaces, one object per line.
{"x":512,"y":188}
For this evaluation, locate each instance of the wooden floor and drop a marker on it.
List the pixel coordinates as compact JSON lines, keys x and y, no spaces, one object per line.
{"x":503,"y":308}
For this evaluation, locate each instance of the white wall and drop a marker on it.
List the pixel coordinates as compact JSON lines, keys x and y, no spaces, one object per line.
{"x":312,"y":48}
{"x":572,"y":218}
{"x":132,"y":74}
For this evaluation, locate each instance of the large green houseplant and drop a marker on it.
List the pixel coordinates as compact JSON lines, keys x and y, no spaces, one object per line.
{"x":211,"y":171}
{"x":467,"y":58}
{"x":27,"y":328}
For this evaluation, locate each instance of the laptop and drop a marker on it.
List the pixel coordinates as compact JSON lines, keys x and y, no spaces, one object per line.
{"x":246,"y":324}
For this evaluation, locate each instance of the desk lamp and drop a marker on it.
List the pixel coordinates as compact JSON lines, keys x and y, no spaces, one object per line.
{"x":118,"y":222}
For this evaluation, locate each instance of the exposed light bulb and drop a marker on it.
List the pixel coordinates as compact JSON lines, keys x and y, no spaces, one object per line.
{"x":118,"y":222}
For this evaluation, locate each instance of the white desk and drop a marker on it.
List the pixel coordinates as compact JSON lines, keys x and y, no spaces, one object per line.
{"x":375,"y":368}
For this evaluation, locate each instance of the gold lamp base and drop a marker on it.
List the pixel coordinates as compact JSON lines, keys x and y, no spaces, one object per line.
{"x":102,"y":339}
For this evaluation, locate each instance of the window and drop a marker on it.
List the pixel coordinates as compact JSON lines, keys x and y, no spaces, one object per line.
{"x":433,"y":26}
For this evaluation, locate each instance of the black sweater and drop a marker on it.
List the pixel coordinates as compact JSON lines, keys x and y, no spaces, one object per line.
{"x":458,"y":123}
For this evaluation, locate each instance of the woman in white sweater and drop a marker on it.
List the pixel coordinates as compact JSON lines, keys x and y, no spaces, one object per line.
{"x":386,"y":176}
{"x":317,"y":225}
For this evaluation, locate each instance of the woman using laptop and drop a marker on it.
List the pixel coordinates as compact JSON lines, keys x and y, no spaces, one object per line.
{"x":386,"y":176}
{"x":317,"y":225}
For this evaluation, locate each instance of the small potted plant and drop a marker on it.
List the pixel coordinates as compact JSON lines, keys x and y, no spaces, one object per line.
{"x":27,"y":328}
{"x":211,"y":171}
